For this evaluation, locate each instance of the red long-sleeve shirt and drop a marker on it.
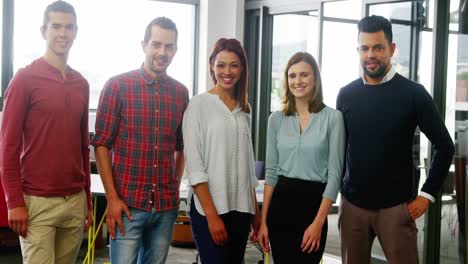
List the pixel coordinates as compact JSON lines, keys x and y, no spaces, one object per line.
{"x":44,"y":134}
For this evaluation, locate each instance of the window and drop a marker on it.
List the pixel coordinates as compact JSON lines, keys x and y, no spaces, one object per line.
{"x":291,"y":33}
{"x":393,"y":11}
{"x":108,"y":42}
{"x":453,"y":220}
{"x":340,"y":59}
{"x":350,"y":9}
{"x":453,"y":20}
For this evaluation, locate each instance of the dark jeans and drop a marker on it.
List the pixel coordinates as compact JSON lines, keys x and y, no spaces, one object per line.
{"x":237,"y":225}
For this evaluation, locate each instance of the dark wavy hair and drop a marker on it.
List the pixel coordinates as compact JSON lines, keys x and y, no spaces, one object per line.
{"x":241,"y":87}
{"x":316,"y":99}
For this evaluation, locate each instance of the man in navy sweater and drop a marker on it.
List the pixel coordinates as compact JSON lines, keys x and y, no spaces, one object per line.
{"x":382,"y":110}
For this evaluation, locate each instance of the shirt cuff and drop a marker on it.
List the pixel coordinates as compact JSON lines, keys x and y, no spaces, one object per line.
{"x":197,"y":177}
{"x":428,"y":196}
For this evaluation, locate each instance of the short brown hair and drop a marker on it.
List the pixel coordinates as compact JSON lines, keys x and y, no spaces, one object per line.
{"x":162,"y":22}
{"x":241,"y":88}
{"x":57,"y":6}
{"x":316,"y":99}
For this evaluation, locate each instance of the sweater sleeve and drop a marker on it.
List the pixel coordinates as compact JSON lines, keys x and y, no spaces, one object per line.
{"x":15,"y":111}
{"x":432,"y":125}
{"x":272,"y":156}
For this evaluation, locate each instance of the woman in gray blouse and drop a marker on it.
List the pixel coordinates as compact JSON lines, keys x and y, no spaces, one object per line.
{"x":304,"y":160}
{"x":219,"y":159}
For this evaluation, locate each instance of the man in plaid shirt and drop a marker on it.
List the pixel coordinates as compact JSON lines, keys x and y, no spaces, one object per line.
{"x":139,"y":120}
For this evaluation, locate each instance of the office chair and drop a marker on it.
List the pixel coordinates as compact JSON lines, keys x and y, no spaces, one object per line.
{"x":260,"y":169}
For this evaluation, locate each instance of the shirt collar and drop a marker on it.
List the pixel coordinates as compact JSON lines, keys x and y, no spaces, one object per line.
{"x":148,"y":79}
{"x":390,"y":74}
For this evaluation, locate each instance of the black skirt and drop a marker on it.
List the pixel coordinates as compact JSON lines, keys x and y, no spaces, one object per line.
{"x":293,"y":208}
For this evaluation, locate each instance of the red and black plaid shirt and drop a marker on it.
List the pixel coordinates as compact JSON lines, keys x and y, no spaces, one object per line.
{"x":140,"y":120}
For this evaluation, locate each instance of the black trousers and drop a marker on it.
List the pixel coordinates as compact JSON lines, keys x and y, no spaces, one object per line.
{"x":293,"y":208}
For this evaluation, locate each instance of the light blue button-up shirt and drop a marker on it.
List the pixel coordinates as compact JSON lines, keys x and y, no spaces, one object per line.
{"x":315,"y":155}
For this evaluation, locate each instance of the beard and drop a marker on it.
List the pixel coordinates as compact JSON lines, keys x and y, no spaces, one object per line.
{"x":377,"y":73}
{"x":155,"y":68}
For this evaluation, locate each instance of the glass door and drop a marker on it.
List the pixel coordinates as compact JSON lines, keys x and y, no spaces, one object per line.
{"x":454,"y":202}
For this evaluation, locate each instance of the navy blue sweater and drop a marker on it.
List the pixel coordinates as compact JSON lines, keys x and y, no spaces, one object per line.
{"x":380,"y":124}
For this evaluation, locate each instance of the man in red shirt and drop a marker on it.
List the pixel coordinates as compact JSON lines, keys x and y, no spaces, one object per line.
{"x":139,"y":119}
{"x":44,"y":154}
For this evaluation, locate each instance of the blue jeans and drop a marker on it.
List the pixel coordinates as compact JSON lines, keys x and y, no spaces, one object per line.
{"x":147,"y":237}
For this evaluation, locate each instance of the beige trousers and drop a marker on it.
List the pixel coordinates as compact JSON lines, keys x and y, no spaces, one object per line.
{"x":55,"y":229}
{"x":396,"y":231}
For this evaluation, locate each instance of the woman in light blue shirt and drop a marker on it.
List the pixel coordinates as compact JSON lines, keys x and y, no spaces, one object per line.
{"x":304,"y":162}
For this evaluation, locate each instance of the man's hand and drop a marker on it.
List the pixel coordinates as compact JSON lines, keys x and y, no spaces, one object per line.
{"x":89,"y":219}
{"x":418,"y":207}
{"x":115,"y":208}
{"x":18,"y":220}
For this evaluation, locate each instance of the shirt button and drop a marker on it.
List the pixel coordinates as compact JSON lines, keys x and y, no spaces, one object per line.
{"x":150,"y":202}
{"x":157,"y":110}
{"x":157,"y":93}
{"x":155,"y":165}
{"x":155,"y":147}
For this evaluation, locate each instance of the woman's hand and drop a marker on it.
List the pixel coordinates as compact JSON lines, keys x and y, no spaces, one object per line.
{"x":311,"y":238}
{"x":255,"y":228}
{"x":263,"y":238}
{"x":217,"y":229}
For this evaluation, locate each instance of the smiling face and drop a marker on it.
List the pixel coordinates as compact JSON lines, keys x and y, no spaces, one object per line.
{"x":59,"y":32}
{"x":159,"y":50}
{"x":227,"y":69}
{"x":375,"y":53}
{"x":301,"y":80}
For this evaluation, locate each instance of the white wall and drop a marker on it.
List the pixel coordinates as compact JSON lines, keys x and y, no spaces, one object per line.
{"x":218,"y":19}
